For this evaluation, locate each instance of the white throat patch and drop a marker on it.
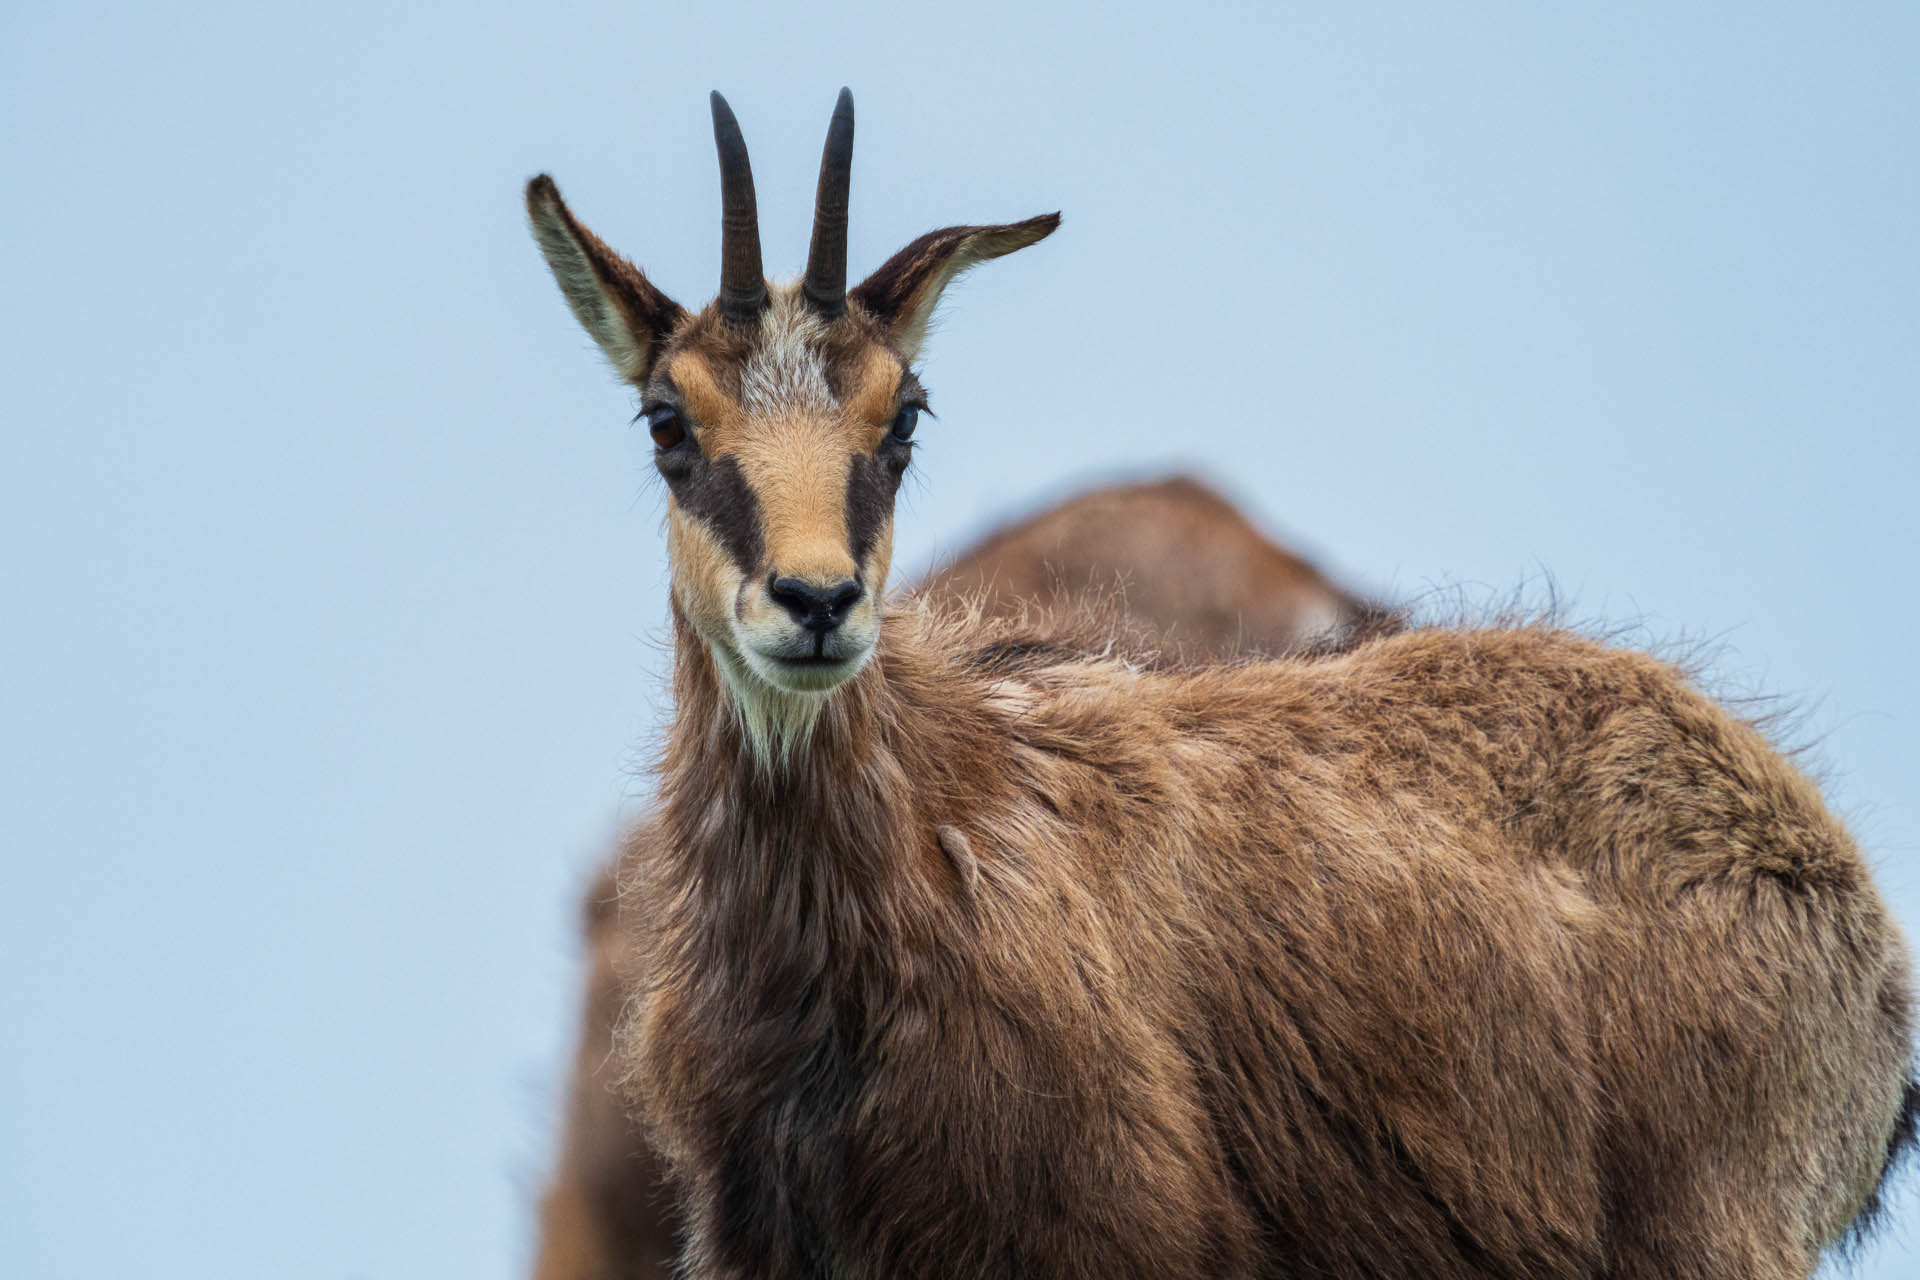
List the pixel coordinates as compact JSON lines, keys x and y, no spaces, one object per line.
{"x":777,"y":723}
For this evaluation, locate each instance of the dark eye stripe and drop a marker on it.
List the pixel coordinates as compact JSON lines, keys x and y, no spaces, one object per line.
{"x":871,"y":484}
{"x":718,"y":496}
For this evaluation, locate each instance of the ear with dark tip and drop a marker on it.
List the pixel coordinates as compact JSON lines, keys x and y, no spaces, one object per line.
{"x":615,"y":302}
{"x":903,"y":293}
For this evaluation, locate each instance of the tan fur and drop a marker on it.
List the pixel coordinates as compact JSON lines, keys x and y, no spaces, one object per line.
{"x":959,"y":851}
{"x":798,"y":469}
{"x":1449,"y":953}
{"x":880,"y":566}
{"x":732,"y":421}
{"x":876,"y":385}
{"x":1459,"y":954}
{"x":707,"y":578}
{"x":718,"y":412}
{"x":1174,"y":556}
{"x":607,"y":1213}
{"x":765,"y":406}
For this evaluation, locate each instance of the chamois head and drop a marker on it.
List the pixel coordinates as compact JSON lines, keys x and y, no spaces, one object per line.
{"x":782,"y":414}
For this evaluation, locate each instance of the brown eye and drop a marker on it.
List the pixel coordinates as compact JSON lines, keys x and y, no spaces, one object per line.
{"x":665,"y":426}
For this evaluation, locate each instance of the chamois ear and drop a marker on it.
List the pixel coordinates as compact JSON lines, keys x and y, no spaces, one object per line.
{"x":903,"y":293}
{"x":615,"y":302}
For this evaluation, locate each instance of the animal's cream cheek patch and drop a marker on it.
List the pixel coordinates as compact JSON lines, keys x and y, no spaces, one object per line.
{"x":705,"y":579}
{"x":878,"y":568}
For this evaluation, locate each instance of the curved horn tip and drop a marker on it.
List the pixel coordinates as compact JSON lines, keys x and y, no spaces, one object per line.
{"x":726,"y":125}
{"x":825,"y":285}
{"x":743,"y":287}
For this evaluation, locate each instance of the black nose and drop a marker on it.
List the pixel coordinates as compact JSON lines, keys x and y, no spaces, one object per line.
{"x":818,"y":609}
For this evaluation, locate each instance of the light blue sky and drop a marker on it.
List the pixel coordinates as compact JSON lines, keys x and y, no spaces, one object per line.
{"x":330,"y":570}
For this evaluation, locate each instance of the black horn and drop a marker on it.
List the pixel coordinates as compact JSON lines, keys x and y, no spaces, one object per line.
{"x":743,"y":284}
{"x":826,"y":282}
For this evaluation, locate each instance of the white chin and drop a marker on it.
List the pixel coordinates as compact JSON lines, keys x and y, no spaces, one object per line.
{"x":805,"y":677}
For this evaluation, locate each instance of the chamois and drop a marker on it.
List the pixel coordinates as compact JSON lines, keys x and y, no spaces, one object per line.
{"x":1176,"y":560}
{"x":609,"y":1211}
{"x":975,"y":951}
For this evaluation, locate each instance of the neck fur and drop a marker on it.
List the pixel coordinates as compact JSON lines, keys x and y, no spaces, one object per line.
{"x":766,"y":791}
{"x":818,"y":871}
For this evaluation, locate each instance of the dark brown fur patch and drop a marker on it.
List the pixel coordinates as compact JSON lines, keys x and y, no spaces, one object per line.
{"x":900,"y":284}
{"x":714,"y":492}
{"x":872,"y":482}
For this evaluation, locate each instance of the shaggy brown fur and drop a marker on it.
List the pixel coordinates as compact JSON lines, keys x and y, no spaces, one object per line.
{"x":975,"y":950}
{"x":609,"y":1214}
{"x":1460,"y":954}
